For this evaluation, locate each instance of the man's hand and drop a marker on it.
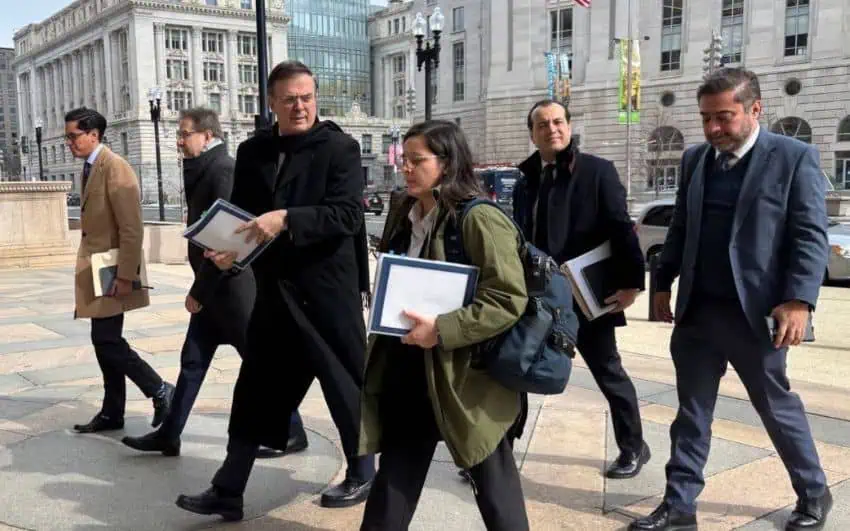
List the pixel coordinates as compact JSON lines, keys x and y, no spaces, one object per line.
{"x":623,"y":298}
{"x":661,"y":306}
{"x":791,"y":319}
{"x":192,"y":305}
{"x":264,"y":228}
{"x":222,"y":260}
{"x":424,"y":331}
{"x":121,"y":288}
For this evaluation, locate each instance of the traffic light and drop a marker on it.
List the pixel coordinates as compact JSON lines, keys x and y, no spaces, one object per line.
{"x":411,"y":100}
{"x":713,"y":55}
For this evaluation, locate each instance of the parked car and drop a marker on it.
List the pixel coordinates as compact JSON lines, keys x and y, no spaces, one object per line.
{"x":655,"y":219}
{"x":73,"y":199}
{"x":374,"y":204}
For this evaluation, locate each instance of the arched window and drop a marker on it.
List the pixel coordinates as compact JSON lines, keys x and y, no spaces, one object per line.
{"x":844,"y":130}
{"x":666,"y":138}
{"x":793,"y":127}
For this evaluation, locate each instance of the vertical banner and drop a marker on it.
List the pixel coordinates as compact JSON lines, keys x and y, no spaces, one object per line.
{"x":564,"y":78}
{"x":551,"y":73}
{"x":622,"y":100}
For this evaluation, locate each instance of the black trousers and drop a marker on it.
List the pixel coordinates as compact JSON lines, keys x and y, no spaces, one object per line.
{"x":597,"y":344}
{"x":409,"y":439}
{"x":117,"y":361}
{"x":205,"y":334}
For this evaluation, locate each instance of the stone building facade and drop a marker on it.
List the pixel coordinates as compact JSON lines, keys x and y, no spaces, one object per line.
{"x":799,"y":49}
{"x":9,"y":140}
{"x":107,"y":54}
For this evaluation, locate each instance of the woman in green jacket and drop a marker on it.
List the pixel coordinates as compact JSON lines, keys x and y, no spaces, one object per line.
{"x":427,"y":386}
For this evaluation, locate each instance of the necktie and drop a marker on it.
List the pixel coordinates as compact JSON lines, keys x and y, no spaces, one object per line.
{"x":541,"y":222}
{"x":725,"y":160}
{"x":86,"y":172}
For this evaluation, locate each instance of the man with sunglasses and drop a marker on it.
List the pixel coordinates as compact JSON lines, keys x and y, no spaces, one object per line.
{"x":111,"y":218}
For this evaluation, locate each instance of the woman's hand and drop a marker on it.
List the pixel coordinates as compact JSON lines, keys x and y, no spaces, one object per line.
{"x":222,"y":260}
{"x":424,"y":331}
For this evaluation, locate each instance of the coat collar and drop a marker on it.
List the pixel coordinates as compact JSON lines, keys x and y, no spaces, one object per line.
{"x":756,"y":170}
{"x":101,"y":160}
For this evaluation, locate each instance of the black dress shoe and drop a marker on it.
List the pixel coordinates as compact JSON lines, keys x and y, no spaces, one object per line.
{"x":297,"y":442}
{"x":810,"y":513}
{"x":211,"y":502}
{"x":162,"y":403}
{"x":100,"y":423}
{"x":154,"y":442}
{"x":465,"y":475}
{"x":349,"y":492}
{"x":665,"y":518}
{"x":628,"y":465}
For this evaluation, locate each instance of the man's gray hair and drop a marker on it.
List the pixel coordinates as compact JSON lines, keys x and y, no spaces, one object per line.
{"x":204,"y":120}
{"x":743,"y":82}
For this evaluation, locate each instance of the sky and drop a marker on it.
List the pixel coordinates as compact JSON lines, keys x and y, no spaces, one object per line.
{"x":31,"y":11}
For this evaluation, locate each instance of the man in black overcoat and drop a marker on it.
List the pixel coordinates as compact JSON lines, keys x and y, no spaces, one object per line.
{"x":302,"y":177}
{"x":569,"y":203}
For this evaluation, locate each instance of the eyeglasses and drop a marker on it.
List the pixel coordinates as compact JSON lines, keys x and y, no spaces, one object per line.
{"x":416,"y":161}
{"x":290,"y":101}
{"x":186,"y":134}
{"x":70,"y":137}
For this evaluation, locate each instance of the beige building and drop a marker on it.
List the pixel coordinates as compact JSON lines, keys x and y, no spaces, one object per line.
{"x":9,"y":140}
{"x":799,"y":49}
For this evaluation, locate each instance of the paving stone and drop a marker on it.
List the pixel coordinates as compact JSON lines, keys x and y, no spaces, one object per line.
{"x":13,"y":382}
{"x":582,"y":377}
{"x":11,"y":409}
{"x":86,"y":482}
{"x":838,"y":520}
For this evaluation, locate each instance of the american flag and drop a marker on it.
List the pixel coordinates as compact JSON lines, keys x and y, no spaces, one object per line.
{"x":583,"y":3}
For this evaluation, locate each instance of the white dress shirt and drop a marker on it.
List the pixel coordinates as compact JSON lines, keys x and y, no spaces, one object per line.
{"x":422,"y":226}
{"x":739,"y":153}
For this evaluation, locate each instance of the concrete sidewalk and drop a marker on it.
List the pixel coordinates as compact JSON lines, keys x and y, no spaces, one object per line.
{"x":53,"y":479}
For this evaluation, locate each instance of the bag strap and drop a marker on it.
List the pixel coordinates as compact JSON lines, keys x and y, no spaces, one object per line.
{"x":453,"y":233}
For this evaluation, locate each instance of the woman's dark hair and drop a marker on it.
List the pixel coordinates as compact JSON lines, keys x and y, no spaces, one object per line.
{"x":447,"y":141}
{"x":87,"y":120}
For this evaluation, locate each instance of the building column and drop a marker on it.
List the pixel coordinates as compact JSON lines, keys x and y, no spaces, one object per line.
{"x":75,"y":81}
{"x":38,"y":100}
{"x":87,"y":80}
{"x":98,"y":76}
{"x":159,"y":51}
{"x":66,"y":82}
{"x":107,"y":71}
{"x":233,"y":69}
{"x":57,"y":93}
{"x":197,"y":67}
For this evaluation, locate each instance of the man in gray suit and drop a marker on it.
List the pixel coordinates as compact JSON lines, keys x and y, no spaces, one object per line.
{"x":748,"y":241}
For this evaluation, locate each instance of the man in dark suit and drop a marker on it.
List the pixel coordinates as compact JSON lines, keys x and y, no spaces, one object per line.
{"x":567,"y":204}
{"x":219,"y":304}
{"x":111,"y":218}
{"x":747,"y":241}
{"x":302,"y":179}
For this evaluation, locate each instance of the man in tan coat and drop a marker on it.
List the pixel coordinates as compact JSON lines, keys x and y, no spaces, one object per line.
{"x":111,"y":218}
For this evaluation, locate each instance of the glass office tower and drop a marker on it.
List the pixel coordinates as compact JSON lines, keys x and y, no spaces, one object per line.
{"x":330,"y":36}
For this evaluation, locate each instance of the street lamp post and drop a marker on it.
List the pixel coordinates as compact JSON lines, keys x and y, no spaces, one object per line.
{"x":395,"y":134}
{"x":430,"y":54}
{"x":154,"y":98}
{"x":38,"y":125}
{"x":262,"y":119}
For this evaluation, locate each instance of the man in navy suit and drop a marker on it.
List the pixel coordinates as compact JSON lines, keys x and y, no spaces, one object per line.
{"x":748,"y":241}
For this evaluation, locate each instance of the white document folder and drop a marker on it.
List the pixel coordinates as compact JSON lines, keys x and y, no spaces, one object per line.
{"x":427,"y":287}
{"x":215,"y":231}
{"x":582,"y":291}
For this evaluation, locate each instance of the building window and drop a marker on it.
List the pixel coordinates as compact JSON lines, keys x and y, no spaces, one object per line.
{"x":842,"y":169}
{"x":732,"y":30}
{"x":389,"y":27}
{"x":388,"y":174}
{"x":176,"y":39}
{"x":844,"y":130}
{"x":796,"y":27}
{"x":248,"y":104}
{"x":179,"y":100}
{"x":214,"y":72}
{"x":125,"y":144}
{"x":793,"y":127}
{"x":248,"y":74}
{"x":671,"y":36}
{"x":398,"y":111}
{"x":457,"y":19}
{"x":663,"y":174}
{"x":247,"y":45}
{"x":213,"y":42}
{"x":213,"y":3}
{"x":396,"y":26}
{"x":366,"y":144}
{"x":246,"y":4}
{"x":177,"y":69}
{"x":666,"y":139}
{"x":386,"y":142}
{"x":53,"y":154}
{"x":214,"y":101}
{"x":561,"y":36}
{"x":459,"y":71}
